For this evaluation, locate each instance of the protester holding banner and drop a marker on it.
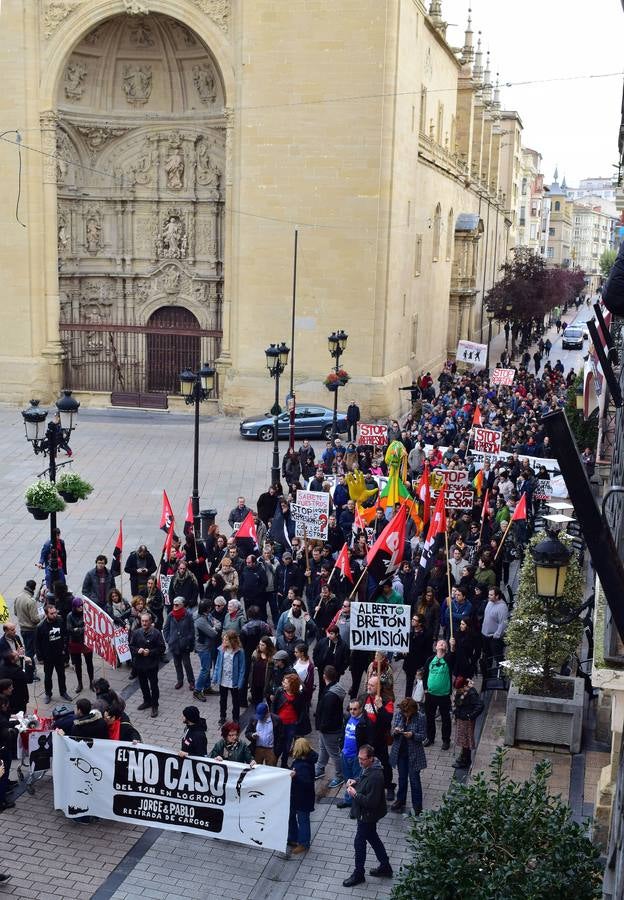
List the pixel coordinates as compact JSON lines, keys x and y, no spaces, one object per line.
{"x":77,"y":646}
{"x":265,"y":733}
{"x":147,"y":647}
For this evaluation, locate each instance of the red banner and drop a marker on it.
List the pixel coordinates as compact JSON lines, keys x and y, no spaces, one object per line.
{"x":99,"y":632}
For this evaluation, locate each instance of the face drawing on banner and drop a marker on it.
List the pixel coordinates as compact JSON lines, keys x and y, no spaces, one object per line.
{"x":252,"y":815}
{"x":83,"y":790}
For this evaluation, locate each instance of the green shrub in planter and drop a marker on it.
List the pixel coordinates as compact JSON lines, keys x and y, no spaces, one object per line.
{"x":43,"y":495}
{"x":537,"y":646}
{"x":499,"y":839}
{"x":72,"y":483}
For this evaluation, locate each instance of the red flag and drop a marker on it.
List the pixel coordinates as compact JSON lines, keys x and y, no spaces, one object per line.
{"x":247,"y":528}
{"x":484,"y":512}
{"x":342,"y":563}
{"x":437,"y":527}
{"x":520,"y":511}
{"x":438,"y":520}
{"x":424,"y":493}
{"x":169,"y":541}
{"x":166,"y":516}
{"x":189,"y":519}
{"x":116,"y":563}
{"x":476,"y":419}
{"x":385,"y":556}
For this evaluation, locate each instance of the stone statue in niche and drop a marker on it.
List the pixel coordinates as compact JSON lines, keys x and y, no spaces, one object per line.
{"x":174,"y":167}
{"x":141,"y":35}
{"x":142,"y":172}
{"x":63,"y":233}
{"x":171,"y":280}
{"x":204,"y":81}
{"x":208,"y":174}
{"x":172,"y":243}
{"x":137,"y":83}
{"x":187,"y":34}
{"x":93,"y":234}
{"x":75,"y":74}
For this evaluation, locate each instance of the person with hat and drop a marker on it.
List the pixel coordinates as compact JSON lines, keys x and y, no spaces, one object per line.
{"x":27,"y":615}
{"x":194,"y":739}
{"x":287,"y":575}
{"x":265,"y":733}
{"x":287,"y":641}
{"x":231,"y":747}
{"x":275,"y":672}
{"x":297,"y":615}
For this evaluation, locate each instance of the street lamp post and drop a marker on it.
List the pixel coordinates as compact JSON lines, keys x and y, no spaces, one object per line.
{"x":195,"y":388}
{"x":48,"y":442}
{"x":337,"y":344}
{"x":276,"y":360}
{"x":490,"y":317}
{"x":551,"y":559}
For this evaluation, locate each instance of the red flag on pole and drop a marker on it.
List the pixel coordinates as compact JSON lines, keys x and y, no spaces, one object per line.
{"x":169,"y":541}
{"x":342,"y":563}
{"x":189,"y":519}
{"x":166,"y":516}
{"x":385,"y":556}
{"x":520,"y":512}
{"x":424,"y":494}
{"x":486,"y":500}
{"x":248,"y":528}
{"x":476,"y":419}
{"x":116,"y":564}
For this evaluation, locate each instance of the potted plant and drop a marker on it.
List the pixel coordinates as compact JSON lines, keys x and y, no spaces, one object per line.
{"x":522,"y":842}
{"x":42,"y":499}
{"x":544,"y":632}
{"x":336,"y":380}
{"x":72,"y":487}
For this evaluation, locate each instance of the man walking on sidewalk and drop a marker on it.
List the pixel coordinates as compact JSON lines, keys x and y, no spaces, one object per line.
{"x":368,"y":806}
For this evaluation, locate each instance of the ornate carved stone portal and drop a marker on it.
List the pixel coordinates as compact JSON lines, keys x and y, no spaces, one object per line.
{"x":140,"y":171}
{"x":468,"y":231}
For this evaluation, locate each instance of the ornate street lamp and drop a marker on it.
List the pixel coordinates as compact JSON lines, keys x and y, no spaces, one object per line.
{"x":48,"y":442}
{"x":551,"y":560}
{"x":276,"y":360}
{"x":490,"y":317}
{"x":195,"y":388}
{"x":337,"y":344}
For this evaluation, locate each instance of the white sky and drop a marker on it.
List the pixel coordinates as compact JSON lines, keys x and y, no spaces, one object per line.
{"x":574,"y":124}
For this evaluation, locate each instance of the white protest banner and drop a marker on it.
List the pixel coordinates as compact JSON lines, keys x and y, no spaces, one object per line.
{"x":471,"y":354}
{"x":502,"y":376}
{"x":145,"y":785}
{"x":311,"y":514}
{"x":486,"y":440}
{"x":99,"y":631}
{"x":372,"y":435}
{"x":543,"y":490}
{"x":163,"y":583}
{"x":379,"y":626}
{"x":121,"y":644}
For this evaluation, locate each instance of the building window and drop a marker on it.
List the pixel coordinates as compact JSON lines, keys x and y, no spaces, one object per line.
{"x":423,"y":109}
{"x":557,"y":206}
{"x":551,"y":232}
{"x":524,"y":187}
{"x":550,"y":252}
{"x":437,"y":232}
{"x":533,"y":232}
{"x":450,"y":233}
{"x":414,"y":336}
{"x":418,"y":255}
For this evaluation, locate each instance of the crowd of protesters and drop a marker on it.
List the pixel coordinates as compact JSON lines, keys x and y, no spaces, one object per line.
{"x":264,"y":625}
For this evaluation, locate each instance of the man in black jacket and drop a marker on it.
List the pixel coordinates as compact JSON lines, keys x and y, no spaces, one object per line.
{"x":50,"y":638}
{"x":287,"y":575}
{"x":252,"y":585}
{"x":11,"y":670}
{"x":330,"y":650}
{"x":368,"y":807}
{"x":194,"y":739}
{"x":329,"y":716}
{"x":98,"y":582}
{"x":250,"y":634}
{"x":89,"y":722}
{"x":147,"y":647}
{"x":353,"y":417}
{"x":139,"y":566}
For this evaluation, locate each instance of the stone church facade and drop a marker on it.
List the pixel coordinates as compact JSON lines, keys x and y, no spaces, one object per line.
{"x":170,"y":148}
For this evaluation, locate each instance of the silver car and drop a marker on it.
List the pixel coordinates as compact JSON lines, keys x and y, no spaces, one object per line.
{"x":310,"y":421}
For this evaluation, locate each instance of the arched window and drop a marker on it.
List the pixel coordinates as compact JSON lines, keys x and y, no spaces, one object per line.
{"x":437,"y":231}
{"x":557,"y":206}
{"x":450,"y":233}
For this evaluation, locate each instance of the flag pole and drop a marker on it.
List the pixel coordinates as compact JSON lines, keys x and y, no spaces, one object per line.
{"x":500,"y":546}
{"x":448,"y":579}
{"x":331,"y":575}
{"x":307,"y":553}
{"x":364,"y":571}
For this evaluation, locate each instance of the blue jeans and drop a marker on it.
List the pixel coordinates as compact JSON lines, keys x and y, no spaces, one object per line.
{"x":205,"y":661}
{"x":290,"y":733}
{"x":299,"y":827}
{"x":367,"y":832}
{"x":350,"y":769}
{"x":405,"y":774}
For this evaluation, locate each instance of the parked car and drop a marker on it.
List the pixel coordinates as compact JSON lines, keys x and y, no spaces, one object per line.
{"x":572,"y":338}
{"x":310,"y":421}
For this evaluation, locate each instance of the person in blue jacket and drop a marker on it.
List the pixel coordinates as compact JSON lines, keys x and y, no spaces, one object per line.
{"x":302,"y":796}
{"x":229,"y":674}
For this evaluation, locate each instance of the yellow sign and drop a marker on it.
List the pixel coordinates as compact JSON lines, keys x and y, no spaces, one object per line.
{"x":4,"y":611}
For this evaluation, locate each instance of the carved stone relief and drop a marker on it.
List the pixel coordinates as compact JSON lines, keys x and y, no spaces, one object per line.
{"x":141,"y":34}
{"x":172,"y":237}
{"x":174,"y":164}
{"x":188,"y":38}
{"x":54,"y":12}
{"x":218,"y":10}
{"x":67,"y":159}
{"x":93,"y":230}
{"x":96,"y":136}
{"x":208,"y":172}
{"x":74,"y":80}
{"x":205,"y":83}
{"x":137,"y":84}
{"x":63,"y":232}
{"x":92,"y":39}
{"x":142,"y":172}
{"x":135,"y":8}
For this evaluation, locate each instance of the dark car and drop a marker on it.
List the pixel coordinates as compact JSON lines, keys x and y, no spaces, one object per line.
{"x":310,"y":421}
{"x":572,"y":338}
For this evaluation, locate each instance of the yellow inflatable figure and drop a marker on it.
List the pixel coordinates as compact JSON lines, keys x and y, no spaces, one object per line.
{"x":357,"y":487}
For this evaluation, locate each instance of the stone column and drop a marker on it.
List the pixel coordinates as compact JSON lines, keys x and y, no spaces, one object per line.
{"x":225,"y":358}
{"x":53,"y":350}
